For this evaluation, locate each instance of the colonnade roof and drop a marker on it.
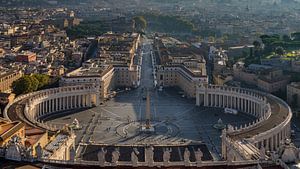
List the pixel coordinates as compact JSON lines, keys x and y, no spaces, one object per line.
{"x":279,"y":113}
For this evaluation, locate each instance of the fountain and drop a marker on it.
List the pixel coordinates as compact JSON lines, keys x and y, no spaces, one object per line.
{"x":220,"y":125}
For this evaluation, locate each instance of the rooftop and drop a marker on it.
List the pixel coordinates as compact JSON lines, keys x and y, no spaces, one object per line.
{"x":295,"y":85}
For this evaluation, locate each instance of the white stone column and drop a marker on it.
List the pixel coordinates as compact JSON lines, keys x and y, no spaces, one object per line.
{"x":272,"y":143}
{"x":53,"y":105}
{"x":215,"y":100}
{"x":222,"y":100}
{"x":197,"y":99}
{"x":57,"y":104}
{"x":46,"y":106}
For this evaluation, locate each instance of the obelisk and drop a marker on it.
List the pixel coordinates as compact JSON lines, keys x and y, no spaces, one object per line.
{"x":148,"y":112}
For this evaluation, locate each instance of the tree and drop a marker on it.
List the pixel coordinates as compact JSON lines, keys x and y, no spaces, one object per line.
{"x":27,"y":83}
{"x":286,"y":38}
{"x":42,"y":79}
{"x":296,"y":36}
{"x":140,"y":23}
{"x":279,"y":50}
{"x":257,"y":44}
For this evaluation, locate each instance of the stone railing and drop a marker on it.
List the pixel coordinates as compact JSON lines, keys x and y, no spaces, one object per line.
{"x":146,"y":164}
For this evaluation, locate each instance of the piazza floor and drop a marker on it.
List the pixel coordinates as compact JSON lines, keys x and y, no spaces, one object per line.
{"x":105,"y":124}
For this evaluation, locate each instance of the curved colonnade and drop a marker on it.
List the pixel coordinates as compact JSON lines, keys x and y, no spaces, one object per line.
{"x":273,"y":116}
{"x":40,"y":104}
{"x":271,"y":127}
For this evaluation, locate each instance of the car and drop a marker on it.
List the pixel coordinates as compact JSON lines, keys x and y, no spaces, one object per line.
{"x":144,"y":98}
{"x":230,"y":111}
{"x":183,"y":96}
{"x":160,"y":88}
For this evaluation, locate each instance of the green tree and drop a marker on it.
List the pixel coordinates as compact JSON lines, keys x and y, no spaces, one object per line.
{"x":42,"y":79}
{"x":257,"y":44}
{"x":28,"y":83}
{"x":140,"y":23}
{"x":25,"y":85}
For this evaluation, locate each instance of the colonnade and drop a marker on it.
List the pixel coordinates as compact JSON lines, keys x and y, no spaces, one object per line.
{"x":47,"y":102}
{"x":263,"y":132}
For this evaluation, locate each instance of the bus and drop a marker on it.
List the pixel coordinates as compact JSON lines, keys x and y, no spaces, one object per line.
{"x":230,"y":111}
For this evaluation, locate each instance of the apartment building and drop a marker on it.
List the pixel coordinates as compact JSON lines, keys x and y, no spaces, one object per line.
{"x":7,"y":78}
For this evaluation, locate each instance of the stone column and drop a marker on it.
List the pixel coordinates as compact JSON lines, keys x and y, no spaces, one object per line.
{"x":45,"y":106}
{"x":72,"y":101}
{"x":56,"y":104}
{"x":89,"y":100}
{"x":267,"y":144}
{"x":223,"y":101}
{"x":276,"y":142}
{"x":197,"y":99}
{"x":53,"y":105}
{"x":220,"y":100}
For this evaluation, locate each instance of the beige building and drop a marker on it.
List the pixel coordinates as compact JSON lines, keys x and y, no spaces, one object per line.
{"x":266,"y":78}
{"x":273,"y":81}
{"x":7,"y":78}
{"x":107,"y":77}
{"x":114,"y":67}
{"x":180,"y":76}
{"x":179,"y":66}
{"x":293,"y":94}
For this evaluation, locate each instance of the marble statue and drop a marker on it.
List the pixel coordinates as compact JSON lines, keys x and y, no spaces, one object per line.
{"x":262,"y":153}
{"x":186,"y":156}
{"x":115,"y":156}
{"x":134,"y":157}
{"x":167,"y":156}
{"x":288,"y":152}
{"x":198,"y":156}
{"x":101,"y":157}
{"x":149,"y":155}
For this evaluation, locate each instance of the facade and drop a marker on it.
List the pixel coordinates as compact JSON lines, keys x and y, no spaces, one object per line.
{"x":266,"y":78}
{"x":26,"y":57}
{"x":179,"y":65}
{"x":273,"y":81}
{"x":293,"y":94}
{"x":7,"y":78}
{"x":107,"y":77}
{"x":180,"y":76}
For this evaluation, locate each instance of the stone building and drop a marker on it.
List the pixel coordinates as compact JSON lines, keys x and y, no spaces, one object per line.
{"x":7,"y":78}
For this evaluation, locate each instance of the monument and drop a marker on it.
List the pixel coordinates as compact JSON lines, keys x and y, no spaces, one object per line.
{"x":147,"y":127}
